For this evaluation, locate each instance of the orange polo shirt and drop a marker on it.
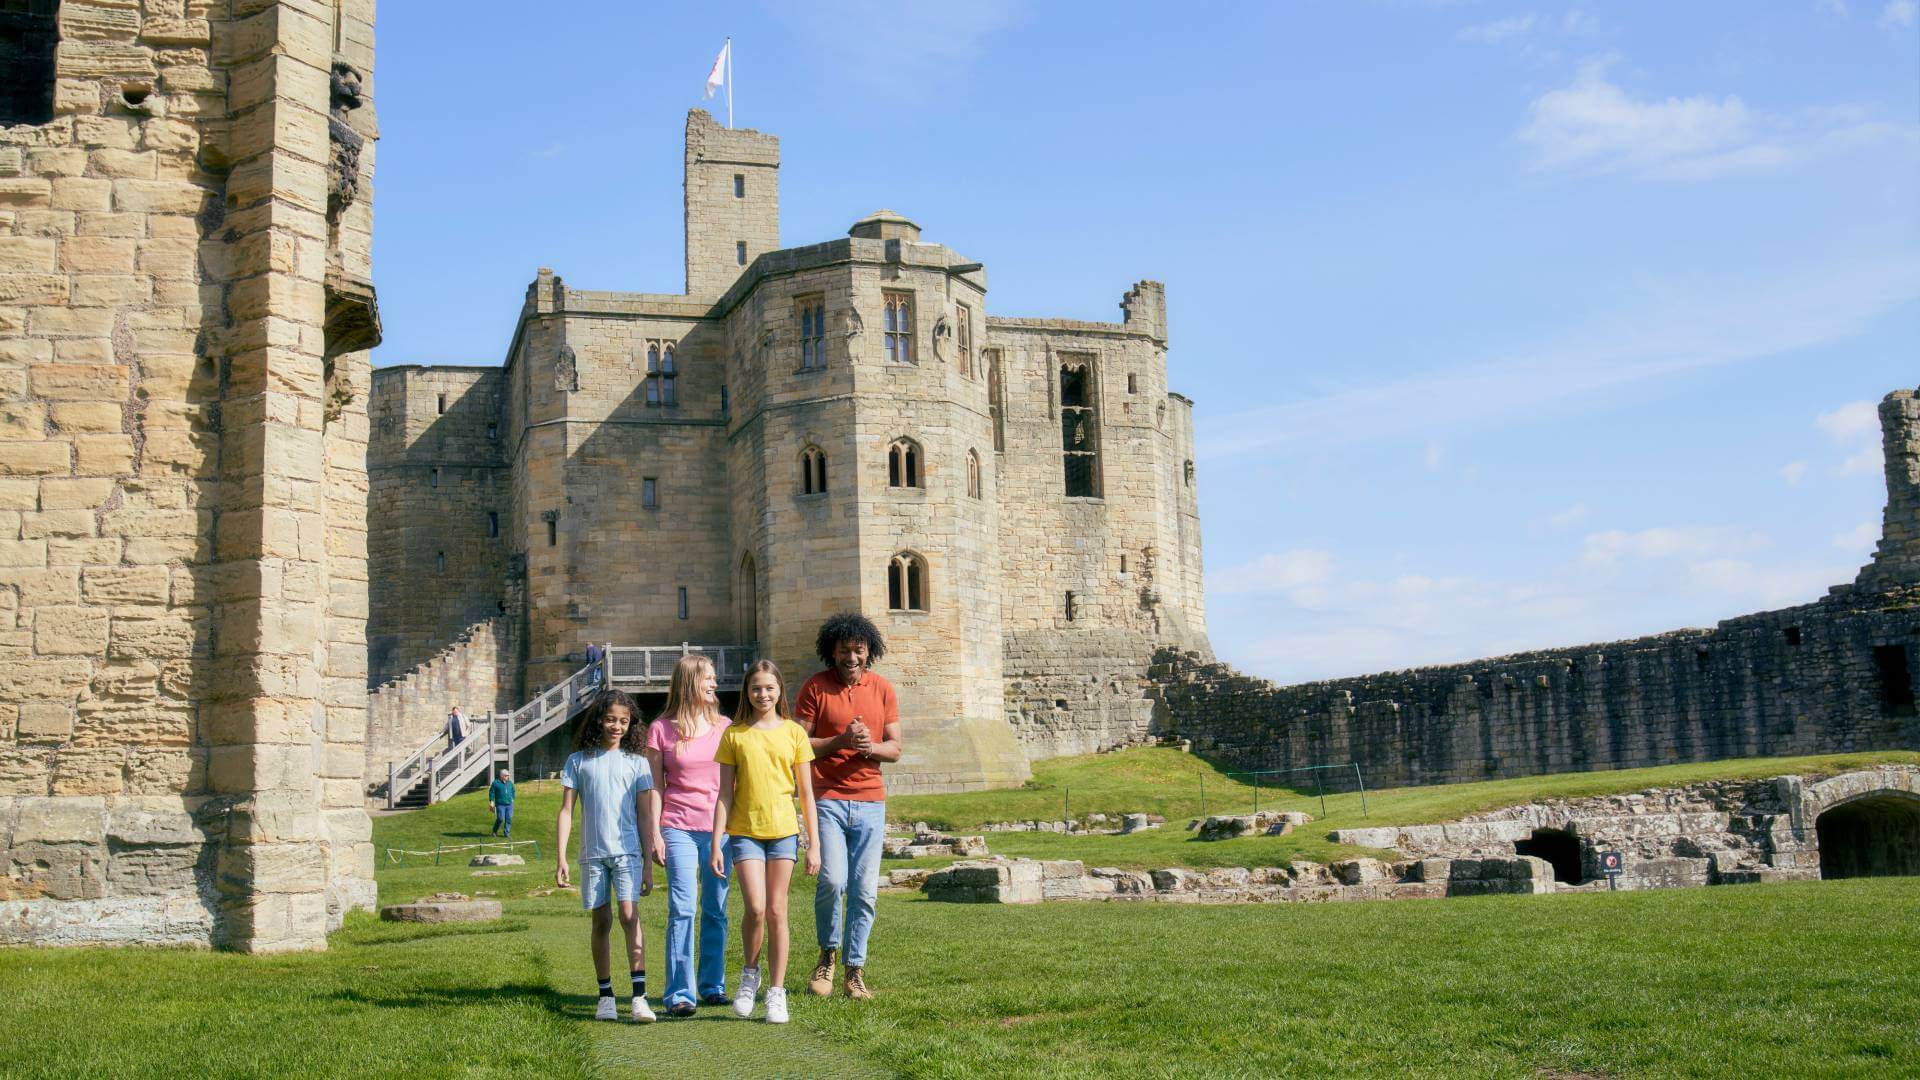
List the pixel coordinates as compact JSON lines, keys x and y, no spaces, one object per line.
{"x":828,"y":706}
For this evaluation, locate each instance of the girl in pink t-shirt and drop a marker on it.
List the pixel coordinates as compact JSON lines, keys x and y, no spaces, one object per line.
{"x":680,"y":747}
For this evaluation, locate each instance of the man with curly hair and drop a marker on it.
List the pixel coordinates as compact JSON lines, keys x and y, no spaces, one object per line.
{"x":853,"y":719}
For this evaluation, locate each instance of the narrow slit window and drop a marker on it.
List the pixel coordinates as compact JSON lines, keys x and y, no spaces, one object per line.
{"x":1133,"y":383}
{"x":441,"y":405}
{"x":1070,"y":606}
{"x":649,"y":493}
{"x":439,"y":562}
{"x":493,"y":523}
{"x":739,"y":185}
{"x":723,"y":399}
{"x":740,"y":252}
{"x":433,"y":477}
{"x":493,"y":431}
{"x":973,"y":475}
{"x":963,"y":338}
{"x":553,"y":529}
{"x":683,"y":601}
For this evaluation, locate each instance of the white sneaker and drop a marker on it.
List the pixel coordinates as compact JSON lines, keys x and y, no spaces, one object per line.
{"x":776,"y":1004}
{"x":642,"y":1013}
{"x":606,"y":1010}
{"x":743,"y":997}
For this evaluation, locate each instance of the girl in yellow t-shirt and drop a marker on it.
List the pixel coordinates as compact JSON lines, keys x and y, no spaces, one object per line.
{"x":763,"y":760}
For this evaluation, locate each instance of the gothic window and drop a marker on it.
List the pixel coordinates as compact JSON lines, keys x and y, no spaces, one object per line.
{"x":996,"y":405}
{"x":903,"y":464}
{"x":963,"y":338}
{"x":973,"y":475}
{"x":29,"y":36}
{"x":660,"y":374}
{"x":906,"y":583}
{"x":897,"y":324}
{"x":813,"y":332}
{"x":813,"y":471}
{"x":1079,"y":428}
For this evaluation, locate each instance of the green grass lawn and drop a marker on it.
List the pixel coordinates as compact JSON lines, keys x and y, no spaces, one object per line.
{"x":1795,"y":979}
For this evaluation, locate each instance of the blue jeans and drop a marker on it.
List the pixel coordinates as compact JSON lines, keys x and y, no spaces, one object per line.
{"x":850,"y":836}
{"x":687,"y":854}
{"x":503,"y":817}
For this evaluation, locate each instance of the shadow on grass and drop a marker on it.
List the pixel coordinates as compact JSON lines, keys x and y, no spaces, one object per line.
{"x":446,"y":996}
{"x":399,"y":933}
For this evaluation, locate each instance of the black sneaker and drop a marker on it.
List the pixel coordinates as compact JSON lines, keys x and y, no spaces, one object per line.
{"x":681,"y":1009}
{"x":716,"y":999}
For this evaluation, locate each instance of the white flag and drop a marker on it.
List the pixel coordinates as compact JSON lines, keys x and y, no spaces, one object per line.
{"x":719,"y":73}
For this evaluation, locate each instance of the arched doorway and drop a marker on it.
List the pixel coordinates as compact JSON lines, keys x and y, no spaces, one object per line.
{"x":1560,"y":848}
{"x":746,"y":619}
{"x":1874,"y":836}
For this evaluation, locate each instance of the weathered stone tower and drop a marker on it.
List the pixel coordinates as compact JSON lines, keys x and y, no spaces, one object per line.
{"x":184,"y":318}
{"x":1897,"y":560}
{"x":805,"y":430}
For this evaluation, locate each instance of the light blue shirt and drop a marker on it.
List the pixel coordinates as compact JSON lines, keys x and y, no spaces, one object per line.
{"x":609,"y":783}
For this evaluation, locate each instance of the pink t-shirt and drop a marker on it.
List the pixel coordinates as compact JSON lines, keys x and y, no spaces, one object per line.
{"x":689,"y":780}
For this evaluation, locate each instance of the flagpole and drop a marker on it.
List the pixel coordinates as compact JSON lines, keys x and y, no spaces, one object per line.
{"x":729,"y":83}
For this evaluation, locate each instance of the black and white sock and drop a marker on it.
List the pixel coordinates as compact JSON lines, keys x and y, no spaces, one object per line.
{"x":639,"y":982}
{"x":606,"y":987}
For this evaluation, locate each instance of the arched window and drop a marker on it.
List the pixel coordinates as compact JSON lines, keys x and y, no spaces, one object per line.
{"x":906,"y":583}
{"x":897,"y":323}
{"x":813,"y":471}
{"x":660,"y":374}
{"x":973,"y":475}
{"x":903,"y":464}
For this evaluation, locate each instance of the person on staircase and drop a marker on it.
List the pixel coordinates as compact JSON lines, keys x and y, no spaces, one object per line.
{"x":680,"y":749}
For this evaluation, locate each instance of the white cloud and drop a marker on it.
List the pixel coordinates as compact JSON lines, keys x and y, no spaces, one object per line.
{"x":1667,"y":327}
{"x":1900,"y":14}
{"x":1432,"y":456}
{"x":1572,"y":515}
{"x":1793,"y":472}
{"x":1850,"y":421}
{"x":1764,"y":586}
{"x":1593,"y":125}
{"x":1282,"y":571}
{"x":1869,"y":460}
{"x":1859,"y":538}
{"x":1499,"y":29}
{"x":1667,"y":542}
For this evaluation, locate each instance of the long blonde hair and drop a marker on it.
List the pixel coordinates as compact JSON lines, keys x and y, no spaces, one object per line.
{"x":684,"y":708}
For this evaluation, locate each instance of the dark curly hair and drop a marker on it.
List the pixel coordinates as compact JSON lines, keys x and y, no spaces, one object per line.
{"x":849,"y":626}
{"x":593,"y":721}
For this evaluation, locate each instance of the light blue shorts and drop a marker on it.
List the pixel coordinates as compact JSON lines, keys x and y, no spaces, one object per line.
{"x":616,"y":877}
{"x":747,"y":849}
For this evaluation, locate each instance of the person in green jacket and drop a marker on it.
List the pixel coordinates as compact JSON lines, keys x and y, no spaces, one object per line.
{"x":500,"y":798}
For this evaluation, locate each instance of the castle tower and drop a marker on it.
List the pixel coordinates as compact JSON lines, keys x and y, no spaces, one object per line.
{"x":732,"y":202}
{"x":1897,"y":560}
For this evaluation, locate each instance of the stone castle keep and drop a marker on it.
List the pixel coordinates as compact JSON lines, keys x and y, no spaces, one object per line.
{"x":209,"y":659}
{"x":804,"y":430}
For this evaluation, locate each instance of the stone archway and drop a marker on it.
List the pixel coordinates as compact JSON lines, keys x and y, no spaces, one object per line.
{"x":1874,"y":835}
{"x":1560,"y":848}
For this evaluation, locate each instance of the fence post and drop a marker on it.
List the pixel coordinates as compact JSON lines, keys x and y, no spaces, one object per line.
{"x":1363,"y":788}
{"x":392,"y":799}
{"x":1203,"y":794}
{"x":1321,"y":790}
{"x":1066,"y":807}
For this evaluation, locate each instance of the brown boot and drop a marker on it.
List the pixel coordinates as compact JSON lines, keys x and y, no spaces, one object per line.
{"x":821,"y":985}
{"x":857,"y":984}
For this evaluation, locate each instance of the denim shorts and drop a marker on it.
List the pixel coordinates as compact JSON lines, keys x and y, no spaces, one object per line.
{"x":618,"y":875}
{"x":748,"y":849}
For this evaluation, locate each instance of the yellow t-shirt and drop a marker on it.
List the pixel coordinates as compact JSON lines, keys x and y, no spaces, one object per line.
{"x":763,"y":789}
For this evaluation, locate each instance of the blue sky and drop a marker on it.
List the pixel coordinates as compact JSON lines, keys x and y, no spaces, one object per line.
{"x":1509,"y":325}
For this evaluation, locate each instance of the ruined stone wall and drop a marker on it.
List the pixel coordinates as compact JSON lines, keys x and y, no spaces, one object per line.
{"x":1896,"y":561}
{"x":1129,"y":556}
{"x":1805,"y":680}
{"x":180,"y":467}
{"x":438,"y":495}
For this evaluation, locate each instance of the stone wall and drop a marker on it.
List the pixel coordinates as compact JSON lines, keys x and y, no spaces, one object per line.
{"x":184,"y":318}
{"x":439,"y":492}
{"x":474,"y":671}
{"x":1805,"y":680}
